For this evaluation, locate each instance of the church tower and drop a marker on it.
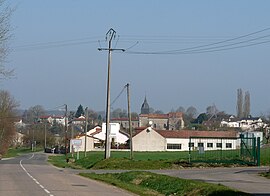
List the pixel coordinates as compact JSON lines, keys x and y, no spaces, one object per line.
{"x":145,"y":107}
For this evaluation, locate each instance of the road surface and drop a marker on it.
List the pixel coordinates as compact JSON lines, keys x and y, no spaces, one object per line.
{"x":31,"y":175}
{"x":246,"y":179}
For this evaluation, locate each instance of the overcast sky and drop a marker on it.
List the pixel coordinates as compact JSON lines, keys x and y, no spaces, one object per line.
{"x":215,"y":48}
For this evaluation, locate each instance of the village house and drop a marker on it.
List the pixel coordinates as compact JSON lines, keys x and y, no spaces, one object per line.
{"x":245,"y":124}
{"x":98,"y":135}
{"x":78,"y":121}
{"x":53,"y":119}
{"x":124,"y":122}
{"x":170,"y":121}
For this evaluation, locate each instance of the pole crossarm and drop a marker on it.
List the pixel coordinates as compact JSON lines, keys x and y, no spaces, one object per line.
{"x":112,"y":49}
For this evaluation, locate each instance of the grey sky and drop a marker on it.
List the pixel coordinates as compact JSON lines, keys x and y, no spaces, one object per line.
{"x":55,"y":56}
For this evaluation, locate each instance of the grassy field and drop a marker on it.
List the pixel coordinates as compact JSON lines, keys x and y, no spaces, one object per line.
{"x":12,"y":152}
{"x":147,"y":183}
{"x":118,"y":160}
{"x":265,"y":156}
{"x":142,"y":160}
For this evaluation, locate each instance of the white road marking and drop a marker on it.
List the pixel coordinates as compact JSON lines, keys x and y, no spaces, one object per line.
{"x":35,"y":180}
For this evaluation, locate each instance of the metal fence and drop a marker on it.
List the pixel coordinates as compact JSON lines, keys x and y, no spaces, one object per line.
{"x":241,"y":150}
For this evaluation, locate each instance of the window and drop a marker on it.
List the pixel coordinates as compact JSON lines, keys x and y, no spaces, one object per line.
{"x":191,"y":145}
{"x":210,"y":145}
{"x":219,"y":145}
{"x":200,"y":144}
{"x":228,"y":145}
{"x":173,"y":146}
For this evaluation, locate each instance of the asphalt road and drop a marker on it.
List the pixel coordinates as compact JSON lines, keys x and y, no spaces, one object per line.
{"x":30,"y":175}
{"x":246,"y":179}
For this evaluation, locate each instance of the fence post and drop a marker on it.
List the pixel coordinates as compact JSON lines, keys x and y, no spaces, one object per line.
{"x":221,"y":149}
{"x":189,"y":147}
{"x":258,"y":151}
{"x":254,"y":154}
{"x":241,"y":145}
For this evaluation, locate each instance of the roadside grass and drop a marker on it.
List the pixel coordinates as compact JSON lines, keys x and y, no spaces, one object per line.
{"x":142,"y":160}
{"x":147,"y":183}
{"x":58,"y":160}
{"x":266,"y":174}
{"x":265,"y":156}
{"x":13,"y":152}
{"x":120,"y":160}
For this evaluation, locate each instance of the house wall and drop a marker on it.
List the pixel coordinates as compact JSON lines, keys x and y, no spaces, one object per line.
{"x":185,"y":143}
{"x":89,"y":144}
{"x":148,"y":140}
{"x":115,"y":135}
{"x":157,"y":123}
{"x":125,"y":123}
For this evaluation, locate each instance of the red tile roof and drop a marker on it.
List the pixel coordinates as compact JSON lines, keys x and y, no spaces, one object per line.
{"x":96,"y":132}
{"x":192,"y":133}
{"x":124,"y":119}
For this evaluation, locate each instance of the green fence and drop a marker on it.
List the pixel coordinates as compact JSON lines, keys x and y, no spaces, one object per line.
{"x":241,"y":150}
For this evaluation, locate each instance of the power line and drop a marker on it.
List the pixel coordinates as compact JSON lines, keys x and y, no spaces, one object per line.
{"x":205,"y":48}
{"x":55,"y":44}
{"x":118,"y":95}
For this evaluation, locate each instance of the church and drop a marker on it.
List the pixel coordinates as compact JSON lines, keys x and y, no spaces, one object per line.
{"x":169,"y":121}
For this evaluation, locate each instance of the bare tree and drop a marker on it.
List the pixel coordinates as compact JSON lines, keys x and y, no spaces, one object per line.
{"x":243,"y":104}
{"x":33,"y":114}
{"x":191,"y":112}
{"x":239,"y":105}
{"x":7,"y":119}
{"x":5,"y":13}
{"x":180,"y":109}
{"x":211,"y":111}
{"x":246,"y":108}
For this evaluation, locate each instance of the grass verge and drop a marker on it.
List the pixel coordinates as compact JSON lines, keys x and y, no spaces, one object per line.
{"x":120,"y":160}
{"x":13,"y":152}
{"x":266,"y":174}
{"x":147,"y":183}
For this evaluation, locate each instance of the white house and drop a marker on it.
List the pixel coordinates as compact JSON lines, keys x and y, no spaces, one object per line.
{"x":79,"y":121}
{"x":246,"y":124}
{"x":116,"y":136}
{"x":51,"y":119}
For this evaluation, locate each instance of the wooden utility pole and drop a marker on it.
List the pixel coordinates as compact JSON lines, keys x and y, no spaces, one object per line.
{"x":129,"y":122}
{"x":85,"y":131}
{"x":45,"y":135}
{"x":66,"y":138}
{"x":109,"y":36}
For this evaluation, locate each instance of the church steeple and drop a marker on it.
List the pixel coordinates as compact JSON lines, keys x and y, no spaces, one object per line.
{"x":145,"y":109}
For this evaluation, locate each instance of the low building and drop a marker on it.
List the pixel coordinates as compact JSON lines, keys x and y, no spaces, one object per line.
{"x":150,"y":139}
